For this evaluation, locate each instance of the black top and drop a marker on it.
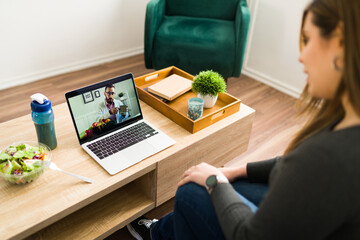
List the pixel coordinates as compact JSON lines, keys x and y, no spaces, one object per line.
{"x":314,"y":193}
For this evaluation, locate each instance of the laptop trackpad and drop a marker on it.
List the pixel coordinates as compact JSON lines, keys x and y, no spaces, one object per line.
{"x":140,"y":150}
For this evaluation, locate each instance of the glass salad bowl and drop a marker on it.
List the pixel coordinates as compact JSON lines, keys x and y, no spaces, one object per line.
{"x":22,"y":162}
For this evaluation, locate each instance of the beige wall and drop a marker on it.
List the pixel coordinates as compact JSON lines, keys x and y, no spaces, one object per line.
{"x":273,"y":44}
{"x":42,"y":38}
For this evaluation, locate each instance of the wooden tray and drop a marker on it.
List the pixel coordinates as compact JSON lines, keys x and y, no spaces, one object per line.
{"x":177,"y":109}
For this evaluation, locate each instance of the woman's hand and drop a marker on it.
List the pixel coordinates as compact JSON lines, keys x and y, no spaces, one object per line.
{"x":231,"y":173}
{"x":198,"y":174}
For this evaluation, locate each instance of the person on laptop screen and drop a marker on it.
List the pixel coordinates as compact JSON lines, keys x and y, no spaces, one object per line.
{"x":109,"y":109}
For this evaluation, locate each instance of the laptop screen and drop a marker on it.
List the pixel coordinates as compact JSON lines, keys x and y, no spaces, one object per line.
{"x":104,"y":107}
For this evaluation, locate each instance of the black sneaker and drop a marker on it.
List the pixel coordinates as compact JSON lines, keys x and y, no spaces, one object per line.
{"x":140,"y":228}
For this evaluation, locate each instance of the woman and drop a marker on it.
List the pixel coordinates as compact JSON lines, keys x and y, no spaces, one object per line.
{"x":314,"y":189}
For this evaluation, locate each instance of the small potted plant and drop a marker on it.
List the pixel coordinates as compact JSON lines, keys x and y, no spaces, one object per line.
{"x":208,"y":84}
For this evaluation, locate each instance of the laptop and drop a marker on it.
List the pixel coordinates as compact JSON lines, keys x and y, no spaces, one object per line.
{"x":109,"y":124}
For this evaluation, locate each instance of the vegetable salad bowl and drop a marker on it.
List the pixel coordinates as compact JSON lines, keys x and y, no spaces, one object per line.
{"x":22,"y":162}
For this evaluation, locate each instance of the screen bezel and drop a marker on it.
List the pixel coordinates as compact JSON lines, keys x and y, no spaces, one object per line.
{"x":96,"y":86}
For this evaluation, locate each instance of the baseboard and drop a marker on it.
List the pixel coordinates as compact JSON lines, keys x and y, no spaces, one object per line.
{"x":272,"y":82}
{"x":259,"y":76}
{"x":20,"y":80}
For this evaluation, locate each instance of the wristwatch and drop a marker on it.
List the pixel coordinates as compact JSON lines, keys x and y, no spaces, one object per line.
{"x":213,"y":180}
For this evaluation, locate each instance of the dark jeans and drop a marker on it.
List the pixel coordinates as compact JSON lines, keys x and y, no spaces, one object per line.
{"x":194,"y":215}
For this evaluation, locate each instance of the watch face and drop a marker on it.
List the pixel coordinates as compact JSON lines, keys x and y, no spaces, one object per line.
{"x":211,"y":181}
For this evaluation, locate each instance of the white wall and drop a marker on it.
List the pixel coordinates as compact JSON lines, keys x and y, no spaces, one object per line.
{"x":273,"y":44}
{"x":42,"y":38}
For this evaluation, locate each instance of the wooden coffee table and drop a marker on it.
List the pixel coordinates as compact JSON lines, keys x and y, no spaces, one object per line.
{"x":58,"y":206}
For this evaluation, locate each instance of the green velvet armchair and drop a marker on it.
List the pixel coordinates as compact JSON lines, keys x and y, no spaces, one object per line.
{"x":197,"y":35}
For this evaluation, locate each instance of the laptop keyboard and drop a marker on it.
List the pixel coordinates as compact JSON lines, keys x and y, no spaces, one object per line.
{"x":121,"y":140}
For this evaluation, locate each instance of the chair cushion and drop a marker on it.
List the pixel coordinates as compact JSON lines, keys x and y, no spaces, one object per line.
{"x":219,"y":9}
{"x":195,"y":44}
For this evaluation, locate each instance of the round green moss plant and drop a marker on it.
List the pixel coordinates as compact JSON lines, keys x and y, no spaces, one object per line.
{"x":209,"y":83}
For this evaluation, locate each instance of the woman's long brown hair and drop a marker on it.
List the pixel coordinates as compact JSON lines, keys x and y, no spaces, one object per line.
{"x":327,"y":15}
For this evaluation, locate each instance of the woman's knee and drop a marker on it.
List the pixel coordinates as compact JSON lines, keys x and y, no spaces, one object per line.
{"x":191,"y":193}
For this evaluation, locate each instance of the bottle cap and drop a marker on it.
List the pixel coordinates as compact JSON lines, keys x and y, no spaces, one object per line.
{"x":40,"y":103}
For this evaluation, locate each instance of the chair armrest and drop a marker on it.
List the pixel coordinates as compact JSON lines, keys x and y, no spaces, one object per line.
{"x":242,"y":23}
{"x":155,"y":12}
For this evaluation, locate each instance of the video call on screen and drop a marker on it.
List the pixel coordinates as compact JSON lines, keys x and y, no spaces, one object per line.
{"x":91,"y":109}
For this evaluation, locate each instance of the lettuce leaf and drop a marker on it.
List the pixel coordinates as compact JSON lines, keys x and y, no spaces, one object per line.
{"x":19,"y":154}
{"x":20,"y":147}
{"x":30,"y":153}
{"x":15,"y":166}
{"x":5,"y":167}
{"x":10,"y":150}
{"x":4,"y":156}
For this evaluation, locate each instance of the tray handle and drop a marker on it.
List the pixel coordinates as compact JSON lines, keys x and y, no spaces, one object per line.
{"x":151,"y":77}
{"x":219,"y":114}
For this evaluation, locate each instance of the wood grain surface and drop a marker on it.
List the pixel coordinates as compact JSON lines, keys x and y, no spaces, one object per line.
{"x":273,"y":126}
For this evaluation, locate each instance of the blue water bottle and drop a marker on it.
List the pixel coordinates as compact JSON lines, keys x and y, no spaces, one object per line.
{"x":43,"y":118}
